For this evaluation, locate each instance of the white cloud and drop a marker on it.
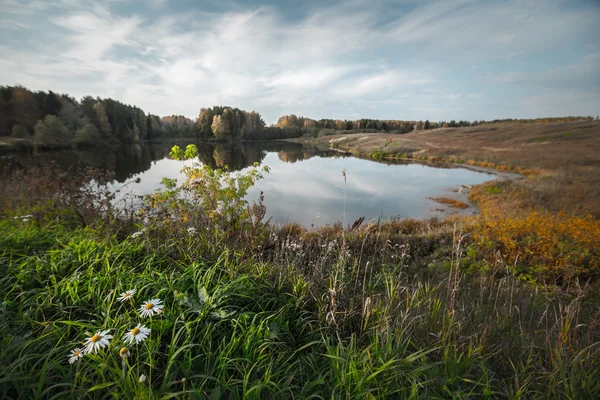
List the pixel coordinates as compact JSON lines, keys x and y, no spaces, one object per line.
{"x":582,"y":74}
{"x":349,"y":60}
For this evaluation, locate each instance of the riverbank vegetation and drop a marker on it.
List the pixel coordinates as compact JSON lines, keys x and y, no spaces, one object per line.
{"x":460,"y":308}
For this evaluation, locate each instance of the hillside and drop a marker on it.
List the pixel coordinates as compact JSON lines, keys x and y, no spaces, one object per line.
{"x":559,"y":159}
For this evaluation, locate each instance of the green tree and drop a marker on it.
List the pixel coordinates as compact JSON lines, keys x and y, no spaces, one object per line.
{"x":5,"y":114}
{"x":204,"y":123}
{"x":70,"y":114}
{"x":103,"y":124}
{"x":87,"y":135}
{"x":51,"y":133}
{"x":51,"y":104}
{"x":19,"y":131}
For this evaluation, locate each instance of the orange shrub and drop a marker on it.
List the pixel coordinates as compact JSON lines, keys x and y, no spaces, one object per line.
{"x":553,"y":247}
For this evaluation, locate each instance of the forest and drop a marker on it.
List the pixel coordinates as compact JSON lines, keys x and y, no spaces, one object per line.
{"x":51,"y":120}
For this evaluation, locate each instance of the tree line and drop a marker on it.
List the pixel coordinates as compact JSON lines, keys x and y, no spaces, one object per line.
{"x":308,"y":126}
{"x":52,"y":120}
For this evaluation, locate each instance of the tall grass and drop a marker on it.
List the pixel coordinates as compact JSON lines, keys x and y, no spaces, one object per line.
{"x":250,"y":327}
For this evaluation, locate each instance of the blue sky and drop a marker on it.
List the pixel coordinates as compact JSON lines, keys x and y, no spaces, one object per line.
{"x":453,"y":59}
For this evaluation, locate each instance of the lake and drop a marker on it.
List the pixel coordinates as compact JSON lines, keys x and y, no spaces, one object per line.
{"x":305,"y":184}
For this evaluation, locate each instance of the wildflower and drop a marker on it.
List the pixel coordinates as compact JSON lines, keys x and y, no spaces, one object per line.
{"x":142,"y":378}
{"x":124,"y":352}
{"x":127,"y":295}
{"x":75,"y":355}
{"x":192,"y":231}
{"x":137,"y":234}
{"x":331,"y":246}
{"x":151,"y":307}
{"x":99,"y":341}
{"x":137,"y":334}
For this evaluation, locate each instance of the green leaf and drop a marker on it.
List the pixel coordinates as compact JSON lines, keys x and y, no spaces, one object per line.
{"x":191,"y":152}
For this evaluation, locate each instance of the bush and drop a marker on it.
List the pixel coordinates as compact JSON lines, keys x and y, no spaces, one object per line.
{"x":552,"y":247}
{"x":19,"y":131}
{"x":87,"y":135}
{"x":51,"y":133}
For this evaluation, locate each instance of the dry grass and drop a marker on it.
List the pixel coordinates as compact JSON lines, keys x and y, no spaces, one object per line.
{"x":560,"y":160}
{"x":450,"y":202}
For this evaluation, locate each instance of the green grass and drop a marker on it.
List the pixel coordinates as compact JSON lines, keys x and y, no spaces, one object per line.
{"x":493,"y":189}
{"x":556,"y":136}
{"x":402,"y":309}
{"x":328,"y":323}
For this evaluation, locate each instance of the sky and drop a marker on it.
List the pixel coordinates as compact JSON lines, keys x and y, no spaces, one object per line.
{"x":403,"y":59}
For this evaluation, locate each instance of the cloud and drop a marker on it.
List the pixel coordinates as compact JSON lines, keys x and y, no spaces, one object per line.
{"x":583,"y":74}
{"x":410,"y":60}
{"x":10,"y":24}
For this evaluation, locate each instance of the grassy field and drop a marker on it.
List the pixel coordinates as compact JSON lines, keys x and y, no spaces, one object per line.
{"x":501,"y":306}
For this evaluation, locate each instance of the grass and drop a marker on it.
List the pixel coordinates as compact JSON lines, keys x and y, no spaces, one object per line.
{"x":322,"y":322}
{"x":557,"y":136}
{"x":493,"y":189}
{"x":450,"y":202}
{"x":453,"y":309}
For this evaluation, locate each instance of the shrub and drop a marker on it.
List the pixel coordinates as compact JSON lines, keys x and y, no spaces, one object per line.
{"x":51,"y":133}
{"x":552,"y":247}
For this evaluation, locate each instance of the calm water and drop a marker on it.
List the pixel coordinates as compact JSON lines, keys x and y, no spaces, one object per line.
{"x":305,"y":184}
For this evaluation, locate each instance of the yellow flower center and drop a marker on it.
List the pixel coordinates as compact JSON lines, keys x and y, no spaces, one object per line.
{"x":95,"y":338}
{"x":124,"y":352}
{"x":149,"y":306}
{"x":76,"y":354}
{"x":127,"y":295}
{"x":135,"y":331}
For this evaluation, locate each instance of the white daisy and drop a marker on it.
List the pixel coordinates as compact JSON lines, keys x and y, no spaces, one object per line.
{"x":192,"y":231}
{"x":99,"y":341}
{"x":137,"y":334}
{"x":151,"y":307}
{"x":75,"y":355}
{"x":127,"y":295}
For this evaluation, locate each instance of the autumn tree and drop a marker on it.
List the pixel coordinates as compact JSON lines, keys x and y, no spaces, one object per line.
{"x":220,"y":128}
{"x":25,"y":108}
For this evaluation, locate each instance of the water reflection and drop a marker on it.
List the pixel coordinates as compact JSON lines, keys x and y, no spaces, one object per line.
{"x":126,"y":162}
{"x":305,"y":183}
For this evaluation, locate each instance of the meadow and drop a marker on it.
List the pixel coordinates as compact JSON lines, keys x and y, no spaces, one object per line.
{"x":195,"y":296}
